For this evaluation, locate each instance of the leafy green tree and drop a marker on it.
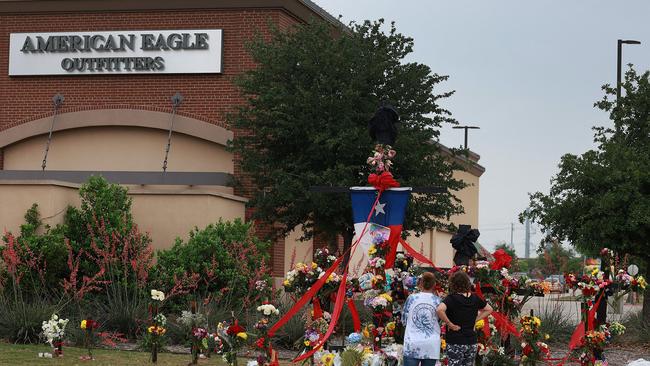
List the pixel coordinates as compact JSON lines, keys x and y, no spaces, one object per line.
{"x":553,"y":258}
{"x":602,"y":197}
{"x":304,"y":123}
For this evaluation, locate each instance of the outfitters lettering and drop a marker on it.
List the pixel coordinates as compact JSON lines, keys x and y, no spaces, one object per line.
{"x":114,"y":44}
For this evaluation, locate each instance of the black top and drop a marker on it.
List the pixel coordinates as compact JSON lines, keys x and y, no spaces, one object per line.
{"x":462,"y":311}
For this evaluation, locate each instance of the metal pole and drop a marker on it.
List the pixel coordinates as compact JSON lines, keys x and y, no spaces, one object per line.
{"x":512,"y":232}
{"x":466,"y":128}
{"x":619,"y":57}
{"x":57,"y":100}
{"x":527,"y":254}
{"x":177,"y":99}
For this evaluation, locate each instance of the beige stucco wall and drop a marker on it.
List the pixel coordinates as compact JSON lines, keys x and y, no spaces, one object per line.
{"x":297,"y":251}
{"x":118,"y":148}
{"x":164,"y":215}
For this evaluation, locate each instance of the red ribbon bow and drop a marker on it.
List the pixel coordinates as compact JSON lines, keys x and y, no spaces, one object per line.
{"x":382,"y":181}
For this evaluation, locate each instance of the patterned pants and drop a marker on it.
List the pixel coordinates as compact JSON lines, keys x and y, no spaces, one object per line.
{"x":461,"y":354}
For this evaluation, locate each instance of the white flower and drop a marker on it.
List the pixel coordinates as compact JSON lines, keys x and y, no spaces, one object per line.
{"x":157,"y":295}
{"x":251,"y":363}
{"x":502,"y":351}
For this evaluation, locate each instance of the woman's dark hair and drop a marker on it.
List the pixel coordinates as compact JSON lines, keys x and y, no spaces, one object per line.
{"x":459,"y":282}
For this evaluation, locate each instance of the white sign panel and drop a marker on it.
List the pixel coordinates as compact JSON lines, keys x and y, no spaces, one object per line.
{"x":193,"y":51}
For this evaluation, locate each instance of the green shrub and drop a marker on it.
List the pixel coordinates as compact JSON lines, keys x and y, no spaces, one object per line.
{"x":637,"y":330}
{"x":227,"y":259}
{"x":21,"y":321}
{"x":555,"y":322}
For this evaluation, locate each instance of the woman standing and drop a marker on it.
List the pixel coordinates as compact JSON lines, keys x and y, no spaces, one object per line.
{"x":422,"y":335}
{"x":460,"y":310}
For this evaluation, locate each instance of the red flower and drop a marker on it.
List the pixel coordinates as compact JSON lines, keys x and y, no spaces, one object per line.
{"x":501,"y":260}
{"x":260,"y":343}
{"x":234,"y":329}
{"x":527,"y":350}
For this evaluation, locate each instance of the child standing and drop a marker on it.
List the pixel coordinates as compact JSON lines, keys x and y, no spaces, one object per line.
{"x":422,"y":334}
{"x":460,"y":311}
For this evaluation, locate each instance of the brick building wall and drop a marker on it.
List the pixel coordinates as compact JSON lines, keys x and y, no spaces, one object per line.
{"x":207,"y":97}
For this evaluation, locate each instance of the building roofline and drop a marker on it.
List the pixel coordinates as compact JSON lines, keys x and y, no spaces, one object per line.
{"x":301,"y":9}
{"x":470,"y":161}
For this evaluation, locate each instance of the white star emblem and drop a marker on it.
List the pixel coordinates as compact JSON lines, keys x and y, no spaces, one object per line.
{"x":380,"y":209}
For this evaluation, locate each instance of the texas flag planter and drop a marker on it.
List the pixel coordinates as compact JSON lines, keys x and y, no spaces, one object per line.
{"x":386,"y":219}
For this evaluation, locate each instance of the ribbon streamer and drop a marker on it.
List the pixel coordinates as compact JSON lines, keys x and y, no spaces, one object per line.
{"x":355,"y":316}
{"x":321,"y":281}
{"x":338,"y":306}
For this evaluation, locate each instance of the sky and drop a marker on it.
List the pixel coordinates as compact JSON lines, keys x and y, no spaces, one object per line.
{"x":526,"y":72}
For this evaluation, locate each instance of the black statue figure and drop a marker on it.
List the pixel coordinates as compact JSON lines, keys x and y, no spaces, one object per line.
{"x":463,"y":241}
{"x":383,"y":125}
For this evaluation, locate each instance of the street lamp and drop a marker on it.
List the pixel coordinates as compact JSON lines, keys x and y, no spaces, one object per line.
{"x":621,"y":42}
{"x":466,"y":128}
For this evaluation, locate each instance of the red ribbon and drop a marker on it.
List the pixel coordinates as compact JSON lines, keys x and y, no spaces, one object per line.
{"x":338,"y":306}
{"x":355,"y":315}
{"x":417,"y":255}
{"x":318,"y":311}
{"x":393,"y":240}
{"x":382,"y":181}
{"x":313,"y":290}
{"x":305,"y":298}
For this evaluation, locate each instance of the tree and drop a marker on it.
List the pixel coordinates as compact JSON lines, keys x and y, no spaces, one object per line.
{"x":553,"y":258}
{"x":602,"y":197}
{"x":304,"y":124}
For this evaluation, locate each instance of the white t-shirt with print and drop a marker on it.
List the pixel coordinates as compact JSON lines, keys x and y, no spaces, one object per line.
{"x":422,"y":335}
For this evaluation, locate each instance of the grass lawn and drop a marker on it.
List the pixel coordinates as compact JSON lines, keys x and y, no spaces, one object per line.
{"x":18,"y":354}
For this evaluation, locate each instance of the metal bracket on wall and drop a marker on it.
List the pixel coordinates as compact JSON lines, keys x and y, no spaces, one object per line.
{"x":176,"y":99}
{"x":57,"y":100}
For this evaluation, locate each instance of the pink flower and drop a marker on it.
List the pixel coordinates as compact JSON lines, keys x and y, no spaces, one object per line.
{"x":392,"y":153}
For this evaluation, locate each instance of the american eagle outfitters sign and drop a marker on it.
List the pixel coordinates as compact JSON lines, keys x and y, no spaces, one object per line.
{"x":118,"y":52}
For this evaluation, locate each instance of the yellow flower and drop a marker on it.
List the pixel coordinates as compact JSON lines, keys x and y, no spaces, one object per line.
{"x":83,"y":324}
{"x":242,"y":335}
{"x":642,"y":282}
{"x":546,"y":336}
{"x":537,"y":321}
{"x":327,"y":359}
{"x":314,"y":265}
{"x":479,"y":324}
{"x":307,"y":343}
{"x":443,"y":344}
{"x":366,"y":333}
{"x":390,"y":326}
{"x":387,"y":297}
{"x":372,"y":250}
{"x":594,"y":271}
{"x":286,"y":283}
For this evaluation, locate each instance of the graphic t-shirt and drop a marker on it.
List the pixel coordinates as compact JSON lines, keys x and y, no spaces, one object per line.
{"x":462,"y":310}
{"x":422,"y":334}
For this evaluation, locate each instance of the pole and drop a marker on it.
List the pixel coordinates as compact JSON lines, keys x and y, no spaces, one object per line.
{"x":527,"y":254}
{"x":619,"y":57}
{"x":466,"y":137}
{"x":177,"y":99}
{"x":512,"y":232}
{"x":57,"y":100}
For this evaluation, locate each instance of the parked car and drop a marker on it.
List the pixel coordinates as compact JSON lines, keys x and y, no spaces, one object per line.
{"x":558,"y":284}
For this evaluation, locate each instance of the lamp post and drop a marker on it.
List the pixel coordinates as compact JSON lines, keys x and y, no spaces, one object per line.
{"x":466,"y":128}
{"x":619,"y":56}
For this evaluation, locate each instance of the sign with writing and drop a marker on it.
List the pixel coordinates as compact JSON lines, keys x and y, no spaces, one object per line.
{"x":197,"y":51}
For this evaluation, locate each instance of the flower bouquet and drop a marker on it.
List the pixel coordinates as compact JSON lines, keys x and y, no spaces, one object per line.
{"x":88,"y":325}
{"x":198,"y":334}
{"x":156,"y":330}
{"x":263,"y":343}
{"x":533,"y":349}
{"x":234,"y":337}
{"x":53,"y":332}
